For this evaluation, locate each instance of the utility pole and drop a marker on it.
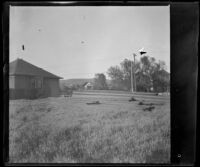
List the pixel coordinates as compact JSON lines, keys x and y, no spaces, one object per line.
{"x":134,"y":73}
{"x":141,"y":51}
{"x":131,"y":77}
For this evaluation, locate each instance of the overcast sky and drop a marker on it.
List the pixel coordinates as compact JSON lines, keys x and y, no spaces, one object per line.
{"x":77,"y":42}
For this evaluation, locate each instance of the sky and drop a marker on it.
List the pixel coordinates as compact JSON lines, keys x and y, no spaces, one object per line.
{"x":78,"y":42}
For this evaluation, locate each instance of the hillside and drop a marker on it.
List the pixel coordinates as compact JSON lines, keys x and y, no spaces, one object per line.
{"x":77,"y":81}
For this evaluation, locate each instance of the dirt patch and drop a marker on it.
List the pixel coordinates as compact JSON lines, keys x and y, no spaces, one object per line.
{"x":132,"y":99}
{"x":94,"y":102}
{"x":149,"y":108}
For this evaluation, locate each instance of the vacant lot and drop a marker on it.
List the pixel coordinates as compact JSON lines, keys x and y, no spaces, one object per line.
{"x":68,"y":130}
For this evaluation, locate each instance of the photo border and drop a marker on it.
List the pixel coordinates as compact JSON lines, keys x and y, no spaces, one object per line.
{"x":184,"y":36}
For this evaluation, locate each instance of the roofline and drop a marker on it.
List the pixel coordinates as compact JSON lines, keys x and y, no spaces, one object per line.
{"x":52,"y":75}
{"x":12,"y":74}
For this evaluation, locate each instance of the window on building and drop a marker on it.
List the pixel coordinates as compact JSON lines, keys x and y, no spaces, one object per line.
{"x":39,"y":83}
{"x":32,"y":83}
{"x":36,"y":83}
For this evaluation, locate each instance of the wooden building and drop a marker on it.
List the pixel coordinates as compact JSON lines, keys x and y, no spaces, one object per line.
{"x":27,"y":81}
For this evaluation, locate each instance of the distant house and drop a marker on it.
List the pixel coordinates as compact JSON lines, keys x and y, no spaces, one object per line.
{"x":29,"y":81}
{"x":76,"y":84}
{"x":88,"y":86}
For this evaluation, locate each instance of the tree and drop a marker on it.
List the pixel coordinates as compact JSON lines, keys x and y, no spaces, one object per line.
{"x":126,"y":68}
{"x":148,"y":66}
{"x":117,"y":78}
{"x":143,"y":82}
{"x":121,"y":75}
{"x":161,"y":78}
{"x":161,"y":65}
{"x":149,"y":75}
{"x":115,"y":73}
{"x":100,"y":82}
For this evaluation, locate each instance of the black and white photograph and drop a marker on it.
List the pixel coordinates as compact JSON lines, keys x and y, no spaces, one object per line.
{"x":89,"y":84}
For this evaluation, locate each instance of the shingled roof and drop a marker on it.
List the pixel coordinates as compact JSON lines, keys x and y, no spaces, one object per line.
{"x":21,"y":67}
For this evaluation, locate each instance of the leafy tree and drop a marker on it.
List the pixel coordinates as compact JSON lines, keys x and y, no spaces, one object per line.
{"x":148,"y":67}
{"x":126,"y":68}
{"x":117,"y":77}
{"x":161,"y":81}
{"x":149,"y":74}
{"x":143,"y":82}
{"x":115,"y":73}
{"x":100,"y":82}
{"x":161,"y":78}
{"x":161,"y":65}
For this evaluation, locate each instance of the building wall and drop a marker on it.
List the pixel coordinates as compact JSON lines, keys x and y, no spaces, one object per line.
{"x":22,"y":82}
{"x":51,"y":87}
{"x":24,"y":87}
{"x":11,"y":82}
{"x":21,"y":87}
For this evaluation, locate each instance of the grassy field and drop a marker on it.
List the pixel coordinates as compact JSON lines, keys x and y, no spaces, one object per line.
{"x":68,"y":130}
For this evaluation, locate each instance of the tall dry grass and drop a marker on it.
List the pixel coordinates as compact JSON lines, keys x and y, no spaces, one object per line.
{"x":113,"y":138}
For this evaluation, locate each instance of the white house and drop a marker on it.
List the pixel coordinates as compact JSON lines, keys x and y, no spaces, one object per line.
{"x":88,"y":86}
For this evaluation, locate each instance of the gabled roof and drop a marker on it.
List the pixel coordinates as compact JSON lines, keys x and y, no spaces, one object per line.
{"x":21,"y":67}
{"x":87,"y":84}
{"x":77,"y":81}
